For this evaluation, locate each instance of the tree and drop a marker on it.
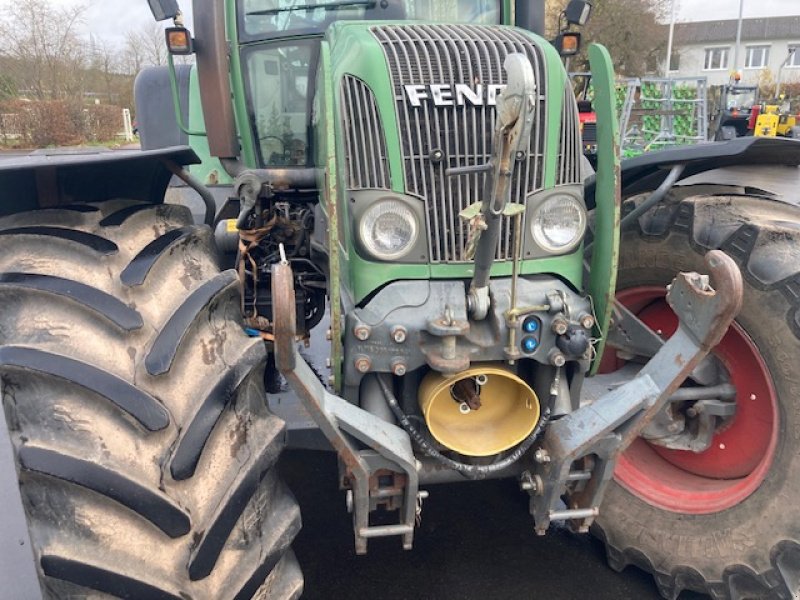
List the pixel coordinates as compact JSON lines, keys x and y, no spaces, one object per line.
{"x":145,"y":48}
{"x":107,"y":76}
{"x":47,"y":50}
{"x":630,"y":30}
{"x":8,"y":87}
{"x":767,"y":86}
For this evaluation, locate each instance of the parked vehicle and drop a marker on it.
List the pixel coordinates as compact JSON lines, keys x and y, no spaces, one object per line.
{"x":438,"y":227}
{"x":736,"y":112}
{"x":776,"y":120}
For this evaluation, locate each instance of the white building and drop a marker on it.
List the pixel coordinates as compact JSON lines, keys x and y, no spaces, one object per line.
{"x":708,"y":49}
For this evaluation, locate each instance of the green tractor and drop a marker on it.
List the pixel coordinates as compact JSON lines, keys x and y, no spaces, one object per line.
{"x":393,"y":248}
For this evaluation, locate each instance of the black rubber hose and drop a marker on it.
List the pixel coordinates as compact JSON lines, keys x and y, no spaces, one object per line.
{"x":472,"y":471}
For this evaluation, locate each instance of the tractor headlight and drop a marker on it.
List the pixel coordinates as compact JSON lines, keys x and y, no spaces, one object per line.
{"x":388,"y":229}
{"x":559,"y":223}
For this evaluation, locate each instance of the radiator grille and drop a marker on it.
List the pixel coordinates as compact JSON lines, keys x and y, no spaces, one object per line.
{"x":365,"y":142}
{"x":570,"y":149}
{"x":450,"y":55}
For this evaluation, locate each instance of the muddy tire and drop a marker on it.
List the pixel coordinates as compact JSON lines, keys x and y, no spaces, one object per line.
{"x":136,"y":409}
{"x":725,"y":522}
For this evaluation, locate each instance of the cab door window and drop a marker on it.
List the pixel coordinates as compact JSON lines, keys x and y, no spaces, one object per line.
{"x":279,"y":79}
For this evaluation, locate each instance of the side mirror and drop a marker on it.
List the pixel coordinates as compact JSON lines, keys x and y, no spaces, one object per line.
{"x":164,"y":9}
{"x":578,"y":12}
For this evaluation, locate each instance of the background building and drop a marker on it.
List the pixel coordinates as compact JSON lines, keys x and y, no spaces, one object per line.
{"x":708,"y":48}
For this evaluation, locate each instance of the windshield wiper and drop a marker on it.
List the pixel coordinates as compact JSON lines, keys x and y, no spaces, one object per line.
{"x":332,"y":6}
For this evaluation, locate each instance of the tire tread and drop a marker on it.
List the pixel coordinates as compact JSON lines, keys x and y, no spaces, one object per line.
{"x":743,"y":232}
{"x":104,"y":511}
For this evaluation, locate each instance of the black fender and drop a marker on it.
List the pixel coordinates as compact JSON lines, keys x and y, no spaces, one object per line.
{"x":648,"y":171}
{"x":42,"y":180}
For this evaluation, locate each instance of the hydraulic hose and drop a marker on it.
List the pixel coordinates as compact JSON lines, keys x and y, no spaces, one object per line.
{"x":471,"y":471}
{"x":194,"y":183}
{"x":248,"y":183}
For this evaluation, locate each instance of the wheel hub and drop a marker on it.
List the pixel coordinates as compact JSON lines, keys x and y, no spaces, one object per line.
{"x":741,"y":452}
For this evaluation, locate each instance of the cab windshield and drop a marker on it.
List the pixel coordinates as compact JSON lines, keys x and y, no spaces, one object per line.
{"x":743,"y":98}
{"x":280,"y":69}
{"x":262,"y":18}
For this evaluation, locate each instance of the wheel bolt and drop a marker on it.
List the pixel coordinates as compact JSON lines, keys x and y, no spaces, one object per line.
{"x":363,"y":364}
{"x":560,"y":326}
{"x":399,"y":368}
{"x":541,"y":456}
{"x":399,"y":334}
{"x":362,"y":333}
{"x":556,"y":358}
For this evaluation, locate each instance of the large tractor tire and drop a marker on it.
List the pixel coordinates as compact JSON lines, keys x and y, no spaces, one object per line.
{"x":136,"y":408}
{"x":726,"y":521}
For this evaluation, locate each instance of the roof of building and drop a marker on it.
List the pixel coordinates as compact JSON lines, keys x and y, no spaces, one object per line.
{"x":753,"y":30}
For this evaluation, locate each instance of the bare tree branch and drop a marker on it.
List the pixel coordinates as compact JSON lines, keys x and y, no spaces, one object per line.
{"x":630,"y":30}
{"x":144,"y":48}
{"x":49,"y":54}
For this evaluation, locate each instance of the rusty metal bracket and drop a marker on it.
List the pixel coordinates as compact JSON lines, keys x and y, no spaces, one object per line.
{"x":601,"y":430}
{"x":629,"y":335}
{"x":447,"y":358}
{"x":342,"y":423}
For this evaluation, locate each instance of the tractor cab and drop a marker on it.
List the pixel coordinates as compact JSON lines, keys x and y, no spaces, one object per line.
{"x":270,"y":18}
{"x":280,"y":42}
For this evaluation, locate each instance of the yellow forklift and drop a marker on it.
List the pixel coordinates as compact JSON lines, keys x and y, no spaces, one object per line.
{"x":777,"y":119}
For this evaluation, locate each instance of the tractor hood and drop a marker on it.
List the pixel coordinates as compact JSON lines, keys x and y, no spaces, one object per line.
{"x":411,"y":101}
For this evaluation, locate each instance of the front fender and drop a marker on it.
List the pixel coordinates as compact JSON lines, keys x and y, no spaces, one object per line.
{"x":739,"y":158}
{"x":49,"y":179}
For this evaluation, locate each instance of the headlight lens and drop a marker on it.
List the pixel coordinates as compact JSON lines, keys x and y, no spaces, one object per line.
{"x":559,"y":223}
{"x":389,"y":229}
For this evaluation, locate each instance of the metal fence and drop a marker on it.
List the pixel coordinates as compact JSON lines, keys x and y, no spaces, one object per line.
{"x":10,"y":127}
{"x":658,"y":112}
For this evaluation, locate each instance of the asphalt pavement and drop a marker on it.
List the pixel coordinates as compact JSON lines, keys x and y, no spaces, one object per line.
{"x":475,"y":542}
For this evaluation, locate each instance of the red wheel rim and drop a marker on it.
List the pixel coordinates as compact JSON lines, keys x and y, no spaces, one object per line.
{"x":741,"y":453}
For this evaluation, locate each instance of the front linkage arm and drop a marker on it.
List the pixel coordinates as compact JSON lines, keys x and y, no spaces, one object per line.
{"x":388,"y":447}
{"x":516,"y":108}
{"x":580,"y":451}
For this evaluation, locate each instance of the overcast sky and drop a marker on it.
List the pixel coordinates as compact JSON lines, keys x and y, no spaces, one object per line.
{"x":712,"y":10}
{"x":112,"y":18}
